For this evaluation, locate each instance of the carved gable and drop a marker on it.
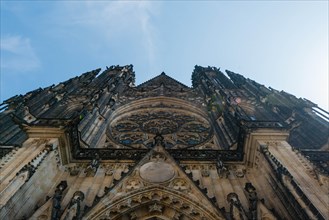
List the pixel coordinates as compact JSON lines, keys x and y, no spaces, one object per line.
{"x":156,"y":187}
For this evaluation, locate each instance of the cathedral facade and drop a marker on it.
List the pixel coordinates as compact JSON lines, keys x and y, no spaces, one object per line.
{"x":99,"y":147}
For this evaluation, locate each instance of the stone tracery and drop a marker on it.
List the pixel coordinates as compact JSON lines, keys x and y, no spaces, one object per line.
{"x":179,"y":129}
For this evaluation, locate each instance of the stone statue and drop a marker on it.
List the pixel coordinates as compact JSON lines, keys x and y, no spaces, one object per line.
{"x":57,"y":198}
{"x":221,"y":169}
{"x":93,"y":166}
{"x":236,"y":210}
{"x":253,"y":200}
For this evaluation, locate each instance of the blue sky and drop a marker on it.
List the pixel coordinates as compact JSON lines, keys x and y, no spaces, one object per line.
{"x":276,"y":43}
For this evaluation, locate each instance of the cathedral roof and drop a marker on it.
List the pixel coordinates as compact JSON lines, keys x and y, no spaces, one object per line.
{"x":228,"y":101}
{"x":164,"y":79}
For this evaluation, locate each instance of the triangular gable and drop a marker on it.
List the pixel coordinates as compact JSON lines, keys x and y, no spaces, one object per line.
{"x":162,"y":79}
{"x":156,"y":187}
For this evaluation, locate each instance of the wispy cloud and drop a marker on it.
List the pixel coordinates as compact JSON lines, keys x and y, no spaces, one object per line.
{"x":112,"y":22}
{"x":17,"y":54}
{"x":148,"y":30}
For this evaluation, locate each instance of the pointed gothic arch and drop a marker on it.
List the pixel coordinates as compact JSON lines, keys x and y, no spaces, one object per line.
{"x":155,"y":201}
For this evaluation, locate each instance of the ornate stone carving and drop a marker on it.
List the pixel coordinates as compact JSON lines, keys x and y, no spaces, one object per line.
{"x":179,"y":130}
{"x":74,"y":169}
{"x":221,"y":169}
{"x":7,"y":153}
{"x":133,"y":215}
{"x":273,"y":143}
{"x":108,"y":117}
{"x":57,"y":198}
{"x":236,"y":210}
{"x":40,"y":141}
{"x":155,"y":208}
{"x":133,"y":184}
{"x":74,"y":211}
{"x":238,"y":170}
{"x":180,"y":184}
{"x":205,"y":173}
{"x":253,"y":200}
{"x":93,"y":166}
{"x":29,"y":169}
{"x":206,"y":155}
{"x":14,"y":185}
{"x":157,"y":199}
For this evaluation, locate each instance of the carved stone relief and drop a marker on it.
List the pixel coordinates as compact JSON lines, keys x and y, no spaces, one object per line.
{"x":180,"y":130}
{"x":156,"y":187}
{"x":156,"y":199}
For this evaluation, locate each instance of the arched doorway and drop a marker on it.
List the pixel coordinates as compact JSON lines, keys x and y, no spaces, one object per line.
{"x":155,"y":202}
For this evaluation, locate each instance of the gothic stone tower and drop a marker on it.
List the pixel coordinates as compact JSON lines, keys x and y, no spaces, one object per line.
{"x":99,"y":147}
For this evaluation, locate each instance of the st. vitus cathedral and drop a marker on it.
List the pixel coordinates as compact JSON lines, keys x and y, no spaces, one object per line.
{"x":99,"y":147}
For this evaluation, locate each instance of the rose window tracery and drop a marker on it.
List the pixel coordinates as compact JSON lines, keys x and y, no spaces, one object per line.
{"x":160,"y":126}
{"x":180,"y":129}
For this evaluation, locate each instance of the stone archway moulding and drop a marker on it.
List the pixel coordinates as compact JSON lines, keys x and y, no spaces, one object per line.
{"x":183,"y":204}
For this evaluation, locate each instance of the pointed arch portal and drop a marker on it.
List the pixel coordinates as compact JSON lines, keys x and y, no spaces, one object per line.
{"x":155,"y":202}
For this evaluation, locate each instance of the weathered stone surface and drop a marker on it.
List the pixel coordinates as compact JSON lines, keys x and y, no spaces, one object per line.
{"x":157,"y":172}
{"x":227,"y":148}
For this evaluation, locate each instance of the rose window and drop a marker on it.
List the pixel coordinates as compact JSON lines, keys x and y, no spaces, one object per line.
{"x":179,"y":128}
